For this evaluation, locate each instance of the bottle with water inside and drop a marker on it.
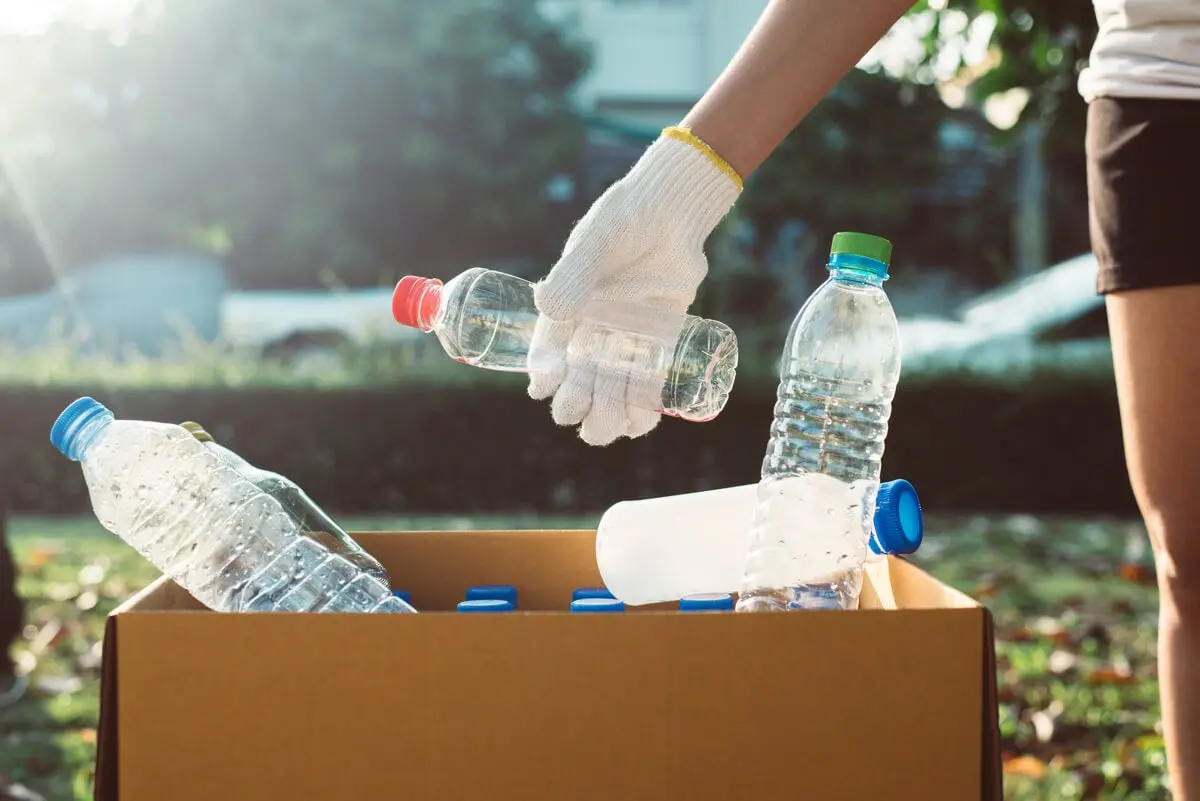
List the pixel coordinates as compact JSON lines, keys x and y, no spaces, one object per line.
{"x":820,"y":476}
{"x":183,"y":507}
{"x":312,"y":520}
{"x":486,"y":318}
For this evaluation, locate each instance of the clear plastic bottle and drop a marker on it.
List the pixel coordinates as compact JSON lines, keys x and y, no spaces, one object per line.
{"x":486,"y":319}
{"x":662,"y":549}
{"x":820,"y":476}
{"x":218,"y":536}
{"x":312,"y":519}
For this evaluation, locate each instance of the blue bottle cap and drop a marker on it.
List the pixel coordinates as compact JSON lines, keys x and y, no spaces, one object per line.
{"x":64,"y":434}
{"x":503,"y":592}
{"x":403,"y":595}
{"x":597,"y":605}
{"x":899,"y":525}
{"x":485,"y":605}
{"x":591,"y":592}
{"x":706,"y":602}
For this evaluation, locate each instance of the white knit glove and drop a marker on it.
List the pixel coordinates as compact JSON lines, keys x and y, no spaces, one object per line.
{"x":633,"y":263}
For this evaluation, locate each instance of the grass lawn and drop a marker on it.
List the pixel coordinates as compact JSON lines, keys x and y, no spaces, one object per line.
{"x":1074,"y":602}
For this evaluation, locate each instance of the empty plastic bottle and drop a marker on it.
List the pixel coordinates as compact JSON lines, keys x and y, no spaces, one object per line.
{"x":486,"y":319}
{"x":707,"y":602}
{"x":663,"y":549}
{"x":590,"y":605}
{"x":312,"y":519}
{"x":485,"y":605}
{"x":198,"y":520}
{"x":502,"y":592}
{"x":840,"y":367}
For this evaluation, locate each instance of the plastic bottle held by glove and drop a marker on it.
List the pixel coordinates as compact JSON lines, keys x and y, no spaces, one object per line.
{"x":312,"y":519}
{"x":840,"y":367}
{"x":664,"y":549}
{"x":183,"y":507}
{"x":486,"y":319}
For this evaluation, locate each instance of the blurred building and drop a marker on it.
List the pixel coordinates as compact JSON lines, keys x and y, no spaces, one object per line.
{"x":651,"y":61}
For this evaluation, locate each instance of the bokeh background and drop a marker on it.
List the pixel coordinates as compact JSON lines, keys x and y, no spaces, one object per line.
{"x":204,"y":207}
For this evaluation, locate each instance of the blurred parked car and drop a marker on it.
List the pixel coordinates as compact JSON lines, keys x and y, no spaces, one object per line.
{"x":1051,"y":321}
{"x":153,"y":302}
{"x":303,"y":324}
{"x":144,"y":301}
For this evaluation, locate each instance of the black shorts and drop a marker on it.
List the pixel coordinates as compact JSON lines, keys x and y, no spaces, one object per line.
{"x":1143,"y":168}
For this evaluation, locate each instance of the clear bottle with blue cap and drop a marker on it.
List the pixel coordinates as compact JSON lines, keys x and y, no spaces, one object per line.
{"x":707,"y":602}
{"x":898,"y":530}
{"x":486,"y":605}
{"x":502,"y":592}
{"x":591,"y":592}
{"x":662,"y":549}
{"x":596,"y":605}
{"x":820,"y":474}
{"x":231,"y":545}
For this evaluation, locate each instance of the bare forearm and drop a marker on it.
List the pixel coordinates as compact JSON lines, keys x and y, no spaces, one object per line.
{"x":797,"y":52}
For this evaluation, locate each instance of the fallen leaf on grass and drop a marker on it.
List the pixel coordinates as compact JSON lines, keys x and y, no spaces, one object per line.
{"x":1025,"y":765}
{"x":1051,"y":629}
{"x":1135,"y":573}
{"x":46,"y":636}
{"x":1111,"y":675}
{"x":40,"y":557}
{"x":58,"y":685}
{"x":1062,"y":662}
{"x":985,"y":591}
{"x":1044,"y":721}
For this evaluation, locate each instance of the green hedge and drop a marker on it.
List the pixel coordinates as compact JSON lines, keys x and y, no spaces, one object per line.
{"x":1049,"y":446}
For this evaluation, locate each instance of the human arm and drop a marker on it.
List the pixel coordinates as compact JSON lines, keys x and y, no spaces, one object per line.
{"x":641,"y":244}
{"x":796,"y":52}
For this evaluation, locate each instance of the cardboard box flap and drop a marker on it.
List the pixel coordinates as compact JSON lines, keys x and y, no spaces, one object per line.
{"x":546,"y":566}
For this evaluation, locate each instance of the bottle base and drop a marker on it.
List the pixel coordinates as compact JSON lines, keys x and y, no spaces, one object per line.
{"x":805,"y":597}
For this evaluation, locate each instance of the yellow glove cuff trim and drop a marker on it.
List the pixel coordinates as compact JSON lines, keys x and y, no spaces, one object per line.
{"x":684,"y":135}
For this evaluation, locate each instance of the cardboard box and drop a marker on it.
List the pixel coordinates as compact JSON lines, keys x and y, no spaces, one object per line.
{"x":543,"y":705}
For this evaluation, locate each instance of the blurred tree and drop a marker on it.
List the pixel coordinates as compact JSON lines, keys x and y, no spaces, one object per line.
{"x":884,"y":156}
{"x":1035,"y":46}
{"x":1036,"y":50}
{"x":304,"y":139}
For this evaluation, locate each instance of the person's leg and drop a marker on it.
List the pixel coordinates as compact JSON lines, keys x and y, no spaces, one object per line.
{"x":1143,"y":162}
{"x":1154,"y":333}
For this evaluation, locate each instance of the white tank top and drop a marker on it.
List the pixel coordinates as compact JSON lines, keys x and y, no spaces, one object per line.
{"x":1145,"y":48}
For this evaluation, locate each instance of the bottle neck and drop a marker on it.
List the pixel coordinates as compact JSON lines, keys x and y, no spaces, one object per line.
{"x":83,"y":439}
{"x":857,"y":269}
{"x":424,"y":303}
{"x":431,"y":304}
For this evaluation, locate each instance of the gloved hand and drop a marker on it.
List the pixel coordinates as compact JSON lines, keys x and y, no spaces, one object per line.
{"x":633,"y":262}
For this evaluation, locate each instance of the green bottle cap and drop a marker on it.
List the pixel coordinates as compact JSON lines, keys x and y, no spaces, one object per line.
{"x":866,"y":245}
{"x":197,"y":431}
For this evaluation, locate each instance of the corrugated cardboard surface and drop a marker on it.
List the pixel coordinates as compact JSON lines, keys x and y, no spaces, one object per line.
{"x":654,"y":705}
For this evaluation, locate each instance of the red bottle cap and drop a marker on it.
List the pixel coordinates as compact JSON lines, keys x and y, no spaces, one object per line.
{"x":416,"y":301}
